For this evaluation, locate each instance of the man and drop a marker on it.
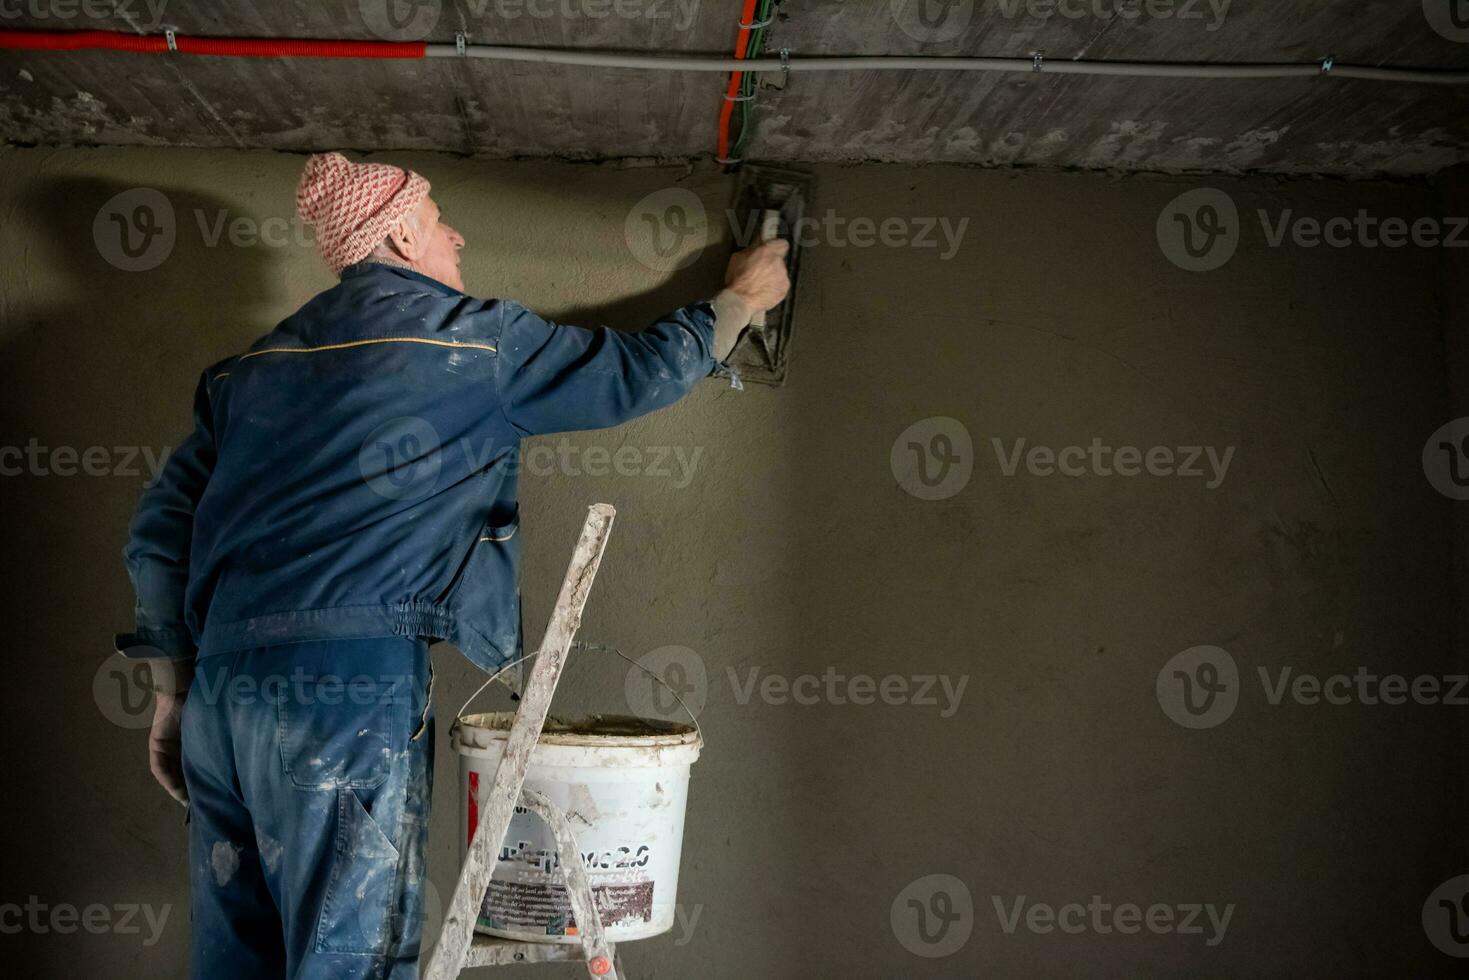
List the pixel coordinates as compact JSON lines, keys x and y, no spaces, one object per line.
{"x":348,"y":494}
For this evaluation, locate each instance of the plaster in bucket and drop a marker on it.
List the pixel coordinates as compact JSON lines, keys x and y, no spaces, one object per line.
{"x":622,"y":783}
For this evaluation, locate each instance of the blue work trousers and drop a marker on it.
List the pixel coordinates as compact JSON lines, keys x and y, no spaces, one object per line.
{"x":309,"y":767}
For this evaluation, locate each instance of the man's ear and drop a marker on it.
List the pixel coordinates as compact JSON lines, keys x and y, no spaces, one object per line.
{"x":406,"y":239}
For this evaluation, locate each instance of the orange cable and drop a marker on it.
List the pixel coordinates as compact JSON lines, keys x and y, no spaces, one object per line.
{"x":732,"y":91}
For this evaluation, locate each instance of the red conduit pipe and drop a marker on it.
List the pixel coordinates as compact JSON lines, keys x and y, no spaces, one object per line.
{"x":224,"y":46}
{"x":733,"y":89}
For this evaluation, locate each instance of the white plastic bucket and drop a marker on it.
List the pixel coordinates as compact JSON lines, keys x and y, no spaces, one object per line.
{"x":623,"y":785}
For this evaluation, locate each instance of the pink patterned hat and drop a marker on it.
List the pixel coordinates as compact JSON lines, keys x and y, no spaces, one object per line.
{"x":353,"y":206}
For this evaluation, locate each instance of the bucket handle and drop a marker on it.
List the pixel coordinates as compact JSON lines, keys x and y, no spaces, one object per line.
{"x":582,"y":645}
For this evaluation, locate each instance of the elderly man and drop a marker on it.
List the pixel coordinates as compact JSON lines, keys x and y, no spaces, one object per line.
{"x":348,"y":494}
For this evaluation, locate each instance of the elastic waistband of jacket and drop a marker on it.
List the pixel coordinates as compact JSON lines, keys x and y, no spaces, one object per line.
{"x":353,"y":622}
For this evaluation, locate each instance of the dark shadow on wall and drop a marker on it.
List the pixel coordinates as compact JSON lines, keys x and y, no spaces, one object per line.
{"x":133,"y":298}
{"x":632,"y":313}
{"x":700,"y":280}
{"x":1453,"y":188}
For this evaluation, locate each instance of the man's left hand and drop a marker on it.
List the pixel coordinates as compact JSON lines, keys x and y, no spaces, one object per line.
{"x":170,"y":681}
{"x":165,"y":747}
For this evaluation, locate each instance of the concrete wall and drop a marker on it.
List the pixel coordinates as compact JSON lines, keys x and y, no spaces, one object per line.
{"x":1454,"y":199}
{"x":802,"y":544}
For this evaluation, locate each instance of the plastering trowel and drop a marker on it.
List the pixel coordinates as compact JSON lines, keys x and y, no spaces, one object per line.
{"x":769,"y":203}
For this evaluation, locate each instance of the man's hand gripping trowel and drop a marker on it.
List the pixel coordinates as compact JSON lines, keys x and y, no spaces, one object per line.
{"x":770,"y":203}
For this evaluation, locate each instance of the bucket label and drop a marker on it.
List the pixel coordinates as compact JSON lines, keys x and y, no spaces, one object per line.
{"x":546,"y":859}
{"x":524,"y":907}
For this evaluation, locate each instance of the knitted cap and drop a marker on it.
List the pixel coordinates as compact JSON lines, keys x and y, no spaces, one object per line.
{"x":353,"y":206}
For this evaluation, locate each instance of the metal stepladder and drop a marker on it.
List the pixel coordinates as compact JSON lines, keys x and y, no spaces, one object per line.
{"x":459,"y":946}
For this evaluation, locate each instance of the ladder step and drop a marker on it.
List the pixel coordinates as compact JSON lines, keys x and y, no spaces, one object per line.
{"x":492,"y":951}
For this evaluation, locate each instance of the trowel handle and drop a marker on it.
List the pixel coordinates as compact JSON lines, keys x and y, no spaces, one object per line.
{"x":769,"y":228}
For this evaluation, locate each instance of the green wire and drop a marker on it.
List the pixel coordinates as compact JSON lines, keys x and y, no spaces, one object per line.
{"x":748,"y":82}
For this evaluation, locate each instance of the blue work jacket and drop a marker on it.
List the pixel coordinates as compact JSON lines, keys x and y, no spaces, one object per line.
{"x":354,"y":472}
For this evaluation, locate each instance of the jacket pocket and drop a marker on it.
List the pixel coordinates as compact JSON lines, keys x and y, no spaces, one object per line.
{"x":487,"y":595}
{"x":337,"y":733}
{"x":361,"y":896}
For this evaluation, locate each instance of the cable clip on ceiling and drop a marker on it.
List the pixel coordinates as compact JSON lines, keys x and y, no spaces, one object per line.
{"x":1037,"y":60}
{"x":171,"y":38}
{"x":461,"y":44}
{"x":1326,"y":65}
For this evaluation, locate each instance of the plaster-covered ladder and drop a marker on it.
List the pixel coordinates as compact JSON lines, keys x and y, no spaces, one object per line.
{"x":459,"y":946}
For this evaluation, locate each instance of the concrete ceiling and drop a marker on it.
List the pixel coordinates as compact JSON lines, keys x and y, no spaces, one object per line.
{"x":1313,"y":125}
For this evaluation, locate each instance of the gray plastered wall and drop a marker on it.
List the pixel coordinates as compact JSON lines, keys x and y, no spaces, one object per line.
{"x":784,"y":546}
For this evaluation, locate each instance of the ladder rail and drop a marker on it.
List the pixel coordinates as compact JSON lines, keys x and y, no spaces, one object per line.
{"x":447,"y":958}
{"x":599,"y":954}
